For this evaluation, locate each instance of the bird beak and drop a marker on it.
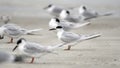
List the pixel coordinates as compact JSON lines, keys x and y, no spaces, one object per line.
{"x":1,"y":37}
{"x":15,"y":48}
{"x":52,"y":29}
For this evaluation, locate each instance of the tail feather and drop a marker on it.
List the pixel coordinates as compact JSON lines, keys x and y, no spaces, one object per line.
{"x":30,"y":32}
{"x":106,"y":14}
{"x":56,"y":46}
{"x":81,"y":25}
{"x":83,"y":38}
{"x":87,"y":37}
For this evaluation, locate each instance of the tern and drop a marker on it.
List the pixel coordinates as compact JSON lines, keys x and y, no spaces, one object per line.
{"x":14,"y":31}
{"x":34,"y":49}
{"x":53,"y":9}
{"x":67,"y":16}
{"x":70,"y":37}
{"x":54,"y":22}
{"x":6,"y":19}
{"x":90,"y":14}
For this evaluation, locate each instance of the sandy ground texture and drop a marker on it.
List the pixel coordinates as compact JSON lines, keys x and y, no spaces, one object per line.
{"x":101,"y":52}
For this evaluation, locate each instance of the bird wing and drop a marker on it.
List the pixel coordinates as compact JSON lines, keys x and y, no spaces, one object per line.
{"x":57,"y":10}
{"x":90,"y":14}
{"x":13,"y":31}
{"x":72,"y":19}
{"x":33,"y":48}
{"x":11,"y":26}
{"x":69,"y":37}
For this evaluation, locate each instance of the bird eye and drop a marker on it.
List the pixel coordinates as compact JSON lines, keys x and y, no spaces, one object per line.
{"x":19,"y":41}
{"x":84,"y":7}
{"x":67,"y":12}
{"x":50,"y":5}
{"x":57,"y":20}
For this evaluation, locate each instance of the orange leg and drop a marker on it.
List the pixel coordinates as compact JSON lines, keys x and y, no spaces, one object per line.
{"x":32,"y":60}
{"x":11,"y":40}
{"x":69,"y":47}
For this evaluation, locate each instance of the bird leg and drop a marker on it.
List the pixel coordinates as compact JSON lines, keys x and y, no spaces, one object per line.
{"x":69,"y":47}
{"x":11,"y":40}
{"x":32,"y":60}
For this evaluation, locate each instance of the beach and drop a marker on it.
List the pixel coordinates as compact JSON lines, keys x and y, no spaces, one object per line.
{"x":101,"y":52}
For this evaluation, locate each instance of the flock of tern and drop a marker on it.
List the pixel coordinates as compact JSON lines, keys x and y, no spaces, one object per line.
{"x":63,"y":21}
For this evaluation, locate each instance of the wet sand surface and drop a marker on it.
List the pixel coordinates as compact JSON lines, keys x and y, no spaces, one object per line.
{"x":101,"y":52}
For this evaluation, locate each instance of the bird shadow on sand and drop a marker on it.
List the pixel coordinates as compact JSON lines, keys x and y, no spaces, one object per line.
{"x":48,"y":63}
{"x":35,"y":34}
{"x":81,"y":50}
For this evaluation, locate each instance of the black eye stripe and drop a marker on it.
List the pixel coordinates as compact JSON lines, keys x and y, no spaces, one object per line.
{"x":84,"y":7}
{"x":19,"y":41}
{"x":59,"y":27}
{"x":68,"y":12}
{"x":57,"y":20}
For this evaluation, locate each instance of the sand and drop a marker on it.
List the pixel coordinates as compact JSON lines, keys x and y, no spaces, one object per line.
{"x":101,"y":52}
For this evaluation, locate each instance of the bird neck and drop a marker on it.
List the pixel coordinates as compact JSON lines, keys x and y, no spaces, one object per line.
{"x":2,"y":29}
{"x":21,"y":45}
{"x":23,"y":42}
{"x":60,"y":32}
{"x":81,"y":10}
{"x":53,"y":24}
{"x":51,"y":9}
{"x":63,"y":15}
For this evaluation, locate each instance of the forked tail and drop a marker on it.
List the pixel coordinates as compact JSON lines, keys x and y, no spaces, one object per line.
{"x":31,"y":32}
{"x":87,"y":37}
{"x":56,"y":46}
{"x":106,"y":14}
{"x":77,"y":25}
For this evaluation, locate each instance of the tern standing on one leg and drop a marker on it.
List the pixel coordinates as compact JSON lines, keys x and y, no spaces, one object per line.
{"x":69,"y":37}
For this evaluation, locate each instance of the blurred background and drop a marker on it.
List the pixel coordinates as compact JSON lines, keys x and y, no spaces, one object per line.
{"x":34,"y":8}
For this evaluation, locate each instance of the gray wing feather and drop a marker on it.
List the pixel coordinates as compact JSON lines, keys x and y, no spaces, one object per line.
{"x":70,"y":37}
{"x":57,"y":10}
{"x":34,"y":48}
{"x":12,"y":29}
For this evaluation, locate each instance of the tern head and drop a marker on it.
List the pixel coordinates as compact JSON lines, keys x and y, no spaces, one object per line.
{"x":2,"y":29}
{"x":64,"y":14}
{"x":21,"y":40}
{"x":5,"y":19}
{"x":49,"y":6}
{"x":55,"y":20}
{"x":53,"y":23}
{"x":83,"y":7}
